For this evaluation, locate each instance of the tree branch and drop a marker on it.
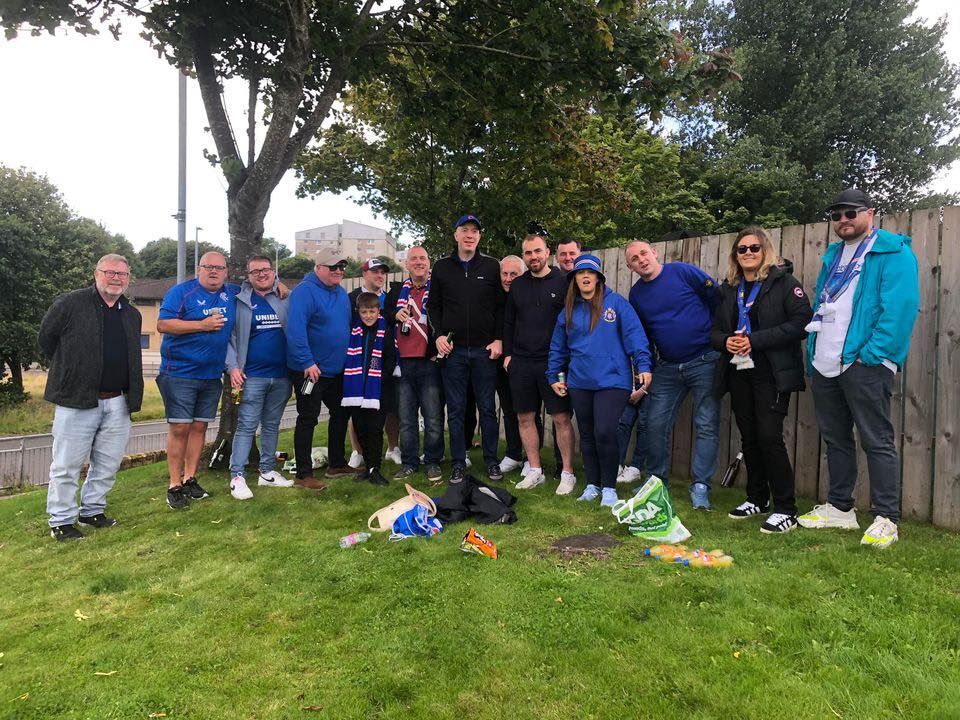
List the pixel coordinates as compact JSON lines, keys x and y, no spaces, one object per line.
{"x":253,"y":90}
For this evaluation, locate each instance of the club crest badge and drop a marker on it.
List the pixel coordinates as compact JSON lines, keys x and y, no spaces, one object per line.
{"x":798,"y":292}
{"x":610,"y":315}
{"x":223,"y":296}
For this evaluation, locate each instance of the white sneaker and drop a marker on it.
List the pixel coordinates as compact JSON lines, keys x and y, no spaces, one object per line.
{"x":273,"y":479}
{"x":881,"y":534}
{"x":827,"y":516}
{"x":508,"y":464}
{"x":239,"y":489}
{"x":468,"y":463}
{"x":393,"y":455}
{"x":567,"y":482}
{"x":525,"y":469}
{"x":629,"y":474}
{"x":356,"y":460}
{"x":532,"y":479}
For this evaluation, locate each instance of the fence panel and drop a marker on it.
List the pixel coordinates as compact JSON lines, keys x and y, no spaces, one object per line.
{"x":946,"y":483}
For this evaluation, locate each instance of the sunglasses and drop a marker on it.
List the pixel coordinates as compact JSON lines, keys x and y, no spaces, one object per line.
{"x":836,"y":215}
{"x":336,"y":268}
{"x":744,"y":249}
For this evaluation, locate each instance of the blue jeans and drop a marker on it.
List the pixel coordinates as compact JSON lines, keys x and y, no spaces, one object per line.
{"x":262,"y":404}
{"x":419,"y":388}
{"x":671,"y":383}
{"x":471,"y":365}
{"x":633,"y":415}
{"x":99,"y":434}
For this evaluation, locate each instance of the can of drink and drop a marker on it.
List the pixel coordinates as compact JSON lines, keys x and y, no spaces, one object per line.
{"x":562,"y":377}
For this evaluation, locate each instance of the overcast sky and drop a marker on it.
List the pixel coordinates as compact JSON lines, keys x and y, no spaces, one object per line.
{"x":99,"y":118}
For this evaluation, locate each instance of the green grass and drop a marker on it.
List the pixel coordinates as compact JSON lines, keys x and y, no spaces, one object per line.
{"x":251,"y":610}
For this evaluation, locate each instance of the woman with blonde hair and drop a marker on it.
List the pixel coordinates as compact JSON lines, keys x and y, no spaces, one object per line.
{"x":758,"y":326}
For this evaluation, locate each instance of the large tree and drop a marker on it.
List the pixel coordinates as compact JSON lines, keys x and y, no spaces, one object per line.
{"x":158,"y":258}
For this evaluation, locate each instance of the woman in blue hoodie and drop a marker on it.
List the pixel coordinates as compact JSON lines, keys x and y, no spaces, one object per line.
{"x":599,"y":343}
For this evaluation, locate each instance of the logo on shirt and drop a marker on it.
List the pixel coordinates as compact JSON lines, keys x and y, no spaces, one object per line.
{"x":201,"y":302}
{"x":610,"y":315}
{"x":798,"y":292}
{"x":223,"y":296}
{"x":709,"y":283}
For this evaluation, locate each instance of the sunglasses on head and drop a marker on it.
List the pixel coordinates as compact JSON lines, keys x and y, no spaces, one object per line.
{"x":744,"y":249}
{"x":850,"y":214}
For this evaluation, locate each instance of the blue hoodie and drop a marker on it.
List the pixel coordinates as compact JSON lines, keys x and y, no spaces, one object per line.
{"x":318,"y":326}
{"x":601,"y":359}
{"x":885,"y":303}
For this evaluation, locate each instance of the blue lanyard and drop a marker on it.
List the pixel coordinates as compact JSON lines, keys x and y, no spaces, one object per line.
{"x":835,"y":286}
{"x":743,"y":321}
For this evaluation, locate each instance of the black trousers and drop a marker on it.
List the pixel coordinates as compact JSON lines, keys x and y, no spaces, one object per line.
{"x":327,"y":391}
{"x":369,"y":426}
{"x":760,"y":410}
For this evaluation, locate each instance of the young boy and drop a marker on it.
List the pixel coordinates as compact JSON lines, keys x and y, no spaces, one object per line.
{"x":361,"y":383}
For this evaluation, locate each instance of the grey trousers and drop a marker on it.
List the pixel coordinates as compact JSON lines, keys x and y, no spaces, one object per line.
{"x":859,"y":396}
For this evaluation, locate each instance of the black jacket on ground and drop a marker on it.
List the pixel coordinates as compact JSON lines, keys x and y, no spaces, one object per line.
{"x":530,"y":314}
{"x":782,"y":309}
{"x":71,"y":336}
{"x":389,"y":349}
{"x":468,"y":304}
{"x":477,"y":500}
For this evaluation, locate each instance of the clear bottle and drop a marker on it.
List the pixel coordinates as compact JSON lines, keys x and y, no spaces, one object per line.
{"x":354,"y":539}
{"x":730,"y":476}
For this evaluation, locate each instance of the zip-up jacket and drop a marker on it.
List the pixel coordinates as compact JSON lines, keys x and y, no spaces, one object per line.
{"x":389,"y":314}
{"x":601,"y":359}
{"x":885,"y":303}
{"x":240,"y":337}
{"x":71,"y":336}
{"x":467,"y":303}
{"x":531,"y":312}
{"x":318,"y":326}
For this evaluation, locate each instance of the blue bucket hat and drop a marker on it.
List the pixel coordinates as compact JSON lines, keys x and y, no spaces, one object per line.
{"x":587,"y":262}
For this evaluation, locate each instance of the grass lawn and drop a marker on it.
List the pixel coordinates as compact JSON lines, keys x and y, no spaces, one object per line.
{"x":251,"y":610}
{"x":36,"y":414}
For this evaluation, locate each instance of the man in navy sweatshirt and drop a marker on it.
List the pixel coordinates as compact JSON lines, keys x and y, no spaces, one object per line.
{"x":318,"y":331}
{"x":675,"y":303}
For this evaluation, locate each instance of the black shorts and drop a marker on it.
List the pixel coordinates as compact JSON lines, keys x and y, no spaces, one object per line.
{"x":529,"y":387}
{"x":389,"y":395}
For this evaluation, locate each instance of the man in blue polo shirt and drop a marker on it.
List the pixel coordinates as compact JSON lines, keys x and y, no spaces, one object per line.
{"x":675,"y":303}
{"x":196,"y":319}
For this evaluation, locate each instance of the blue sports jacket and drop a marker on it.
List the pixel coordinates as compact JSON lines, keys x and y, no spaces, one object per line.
{"x":318,"y":326}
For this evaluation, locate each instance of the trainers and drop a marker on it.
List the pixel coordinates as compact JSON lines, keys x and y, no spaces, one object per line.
{"x":405,"y":472}
{"x":494,"y":472}
{"x":457,"y":474}
{"x":700,"y":496}
{"x":609,"y":497}
{"x":239,"y":489}
{"x":508,"y":464}
{"x":881,"y":534}
{"x":393,"y":455}
{"x":532,"y":479}
{"x":273,"y":479}
{"x":629,"y":474}
{"x":567,"y":482}
{"x":62,"y":533}
{"x":356,"y":460}
{"x":98,"y":521}
{"x":778,"y":523}
{"x":310,"y":483}
{"x":177,"y":498}
{"x":192,"y":488}
{"x":434,"y":473}
{"x":335,"y":471}
{"x":590,"y":493}
{"x":525,"y":469}
{"x":747,"y":509}
{"x":377,"y":478}
{"x":827,"y":516}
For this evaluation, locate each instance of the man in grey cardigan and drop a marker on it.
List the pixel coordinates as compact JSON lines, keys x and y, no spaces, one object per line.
{"x":257,"y":363}
{"x":92,"y":339}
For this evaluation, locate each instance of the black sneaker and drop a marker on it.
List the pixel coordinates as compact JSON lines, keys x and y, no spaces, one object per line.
{"x":177,"y":498}
{"x":457,"y":475}
{"x":98,"y":521}
{"x":62,"y":533}
{"x":361,"y":475}
{"x":494,"y":472}
{"x":405,"y":472}
{"x":748,"y":509}
{"x":376,"y":478}
{"x":779,"y":523}
{"x":434,"y":473}
{"x":192,"y":488}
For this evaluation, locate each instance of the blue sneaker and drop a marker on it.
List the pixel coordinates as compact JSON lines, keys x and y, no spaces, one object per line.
{"x":590,"y":493}
{"x":609,"y":498}
{"x":700,"y":496}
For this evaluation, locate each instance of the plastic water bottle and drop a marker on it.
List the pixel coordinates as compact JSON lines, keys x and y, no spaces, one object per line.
{"x":354,"y":539}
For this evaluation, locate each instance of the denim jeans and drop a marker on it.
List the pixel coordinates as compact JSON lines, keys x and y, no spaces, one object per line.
{"x":419,"y":386}
{"x":671,"y":383}
{"x":99,"y":434}
{"x":471,"y":365}
{"x":633,"y":415}
{"x":262,"y":404}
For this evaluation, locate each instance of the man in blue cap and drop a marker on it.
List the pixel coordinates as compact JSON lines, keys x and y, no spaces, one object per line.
{"x":466,"y":299}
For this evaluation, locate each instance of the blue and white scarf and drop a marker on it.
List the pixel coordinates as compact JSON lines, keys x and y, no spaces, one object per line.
{"x":405,"y":298}
{"x":362,"y":389}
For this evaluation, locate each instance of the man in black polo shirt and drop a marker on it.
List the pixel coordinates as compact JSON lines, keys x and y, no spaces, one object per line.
{"x":92,"y":339}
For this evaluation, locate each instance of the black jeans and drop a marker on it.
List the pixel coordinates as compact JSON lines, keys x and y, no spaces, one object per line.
{"x":859,"y":396}
{"x":511,"y":426}
{"x":369,"y":426}
{"x":598,"y":413}
{"x":760,"y":411}
{"x":327,"y":391}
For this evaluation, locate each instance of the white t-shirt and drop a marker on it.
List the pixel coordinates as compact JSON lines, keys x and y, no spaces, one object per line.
{"x":833,"y":332}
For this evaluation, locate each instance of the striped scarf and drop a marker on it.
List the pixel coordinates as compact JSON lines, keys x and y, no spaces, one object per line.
{"x":362,"y":389}
{"x":405,"y":295}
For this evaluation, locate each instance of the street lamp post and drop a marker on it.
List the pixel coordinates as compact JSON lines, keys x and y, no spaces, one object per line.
{"x":196,"y":246}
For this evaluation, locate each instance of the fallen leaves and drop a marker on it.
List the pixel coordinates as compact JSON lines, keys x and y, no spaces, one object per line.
{"x":157,"y":715}
{"x":312,"y":708}
{"x":80,"y":616}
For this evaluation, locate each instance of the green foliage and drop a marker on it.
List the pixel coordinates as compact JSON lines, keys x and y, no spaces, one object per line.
{"x":274,"y":249}
{"x":295,"y":267}
{"x":159,"y":257}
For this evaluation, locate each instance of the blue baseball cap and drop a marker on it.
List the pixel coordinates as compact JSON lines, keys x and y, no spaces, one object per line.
{"x":587,"y":262}
{"x":464,"y":219}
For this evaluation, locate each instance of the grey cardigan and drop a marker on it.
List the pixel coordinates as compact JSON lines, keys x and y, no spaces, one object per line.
{"x":240,"y":338}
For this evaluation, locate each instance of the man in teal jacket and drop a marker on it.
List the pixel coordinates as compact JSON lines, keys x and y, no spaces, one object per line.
{"x":866,"y":303}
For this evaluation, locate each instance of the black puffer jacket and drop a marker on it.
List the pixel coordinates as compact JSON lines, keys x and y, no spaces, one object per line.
{"x":782,"y":309}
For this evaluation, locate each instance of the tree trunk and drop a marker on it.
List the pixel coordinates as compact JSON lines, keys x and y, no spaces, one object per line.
{"x":16,"y":371}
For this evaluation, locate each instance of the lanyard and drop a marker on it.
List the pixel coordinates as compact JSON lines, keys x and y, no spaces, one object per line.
{"x":835,"y":286}
{"x":743,"y":321}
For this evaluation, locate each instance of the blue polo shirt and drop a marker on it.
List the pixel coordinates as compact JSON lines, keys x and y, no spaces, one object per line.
{"x":200,"y":355}
{"x":267,"y":348}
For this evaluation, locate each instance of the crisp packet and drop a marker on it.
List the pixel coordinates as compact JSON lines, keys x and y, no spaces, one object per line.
{"x":474,"y":542}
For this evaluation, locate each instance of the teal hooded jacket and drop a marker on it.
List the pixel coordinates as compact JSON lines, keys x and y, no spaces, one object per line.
{"x":885,"y":302}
